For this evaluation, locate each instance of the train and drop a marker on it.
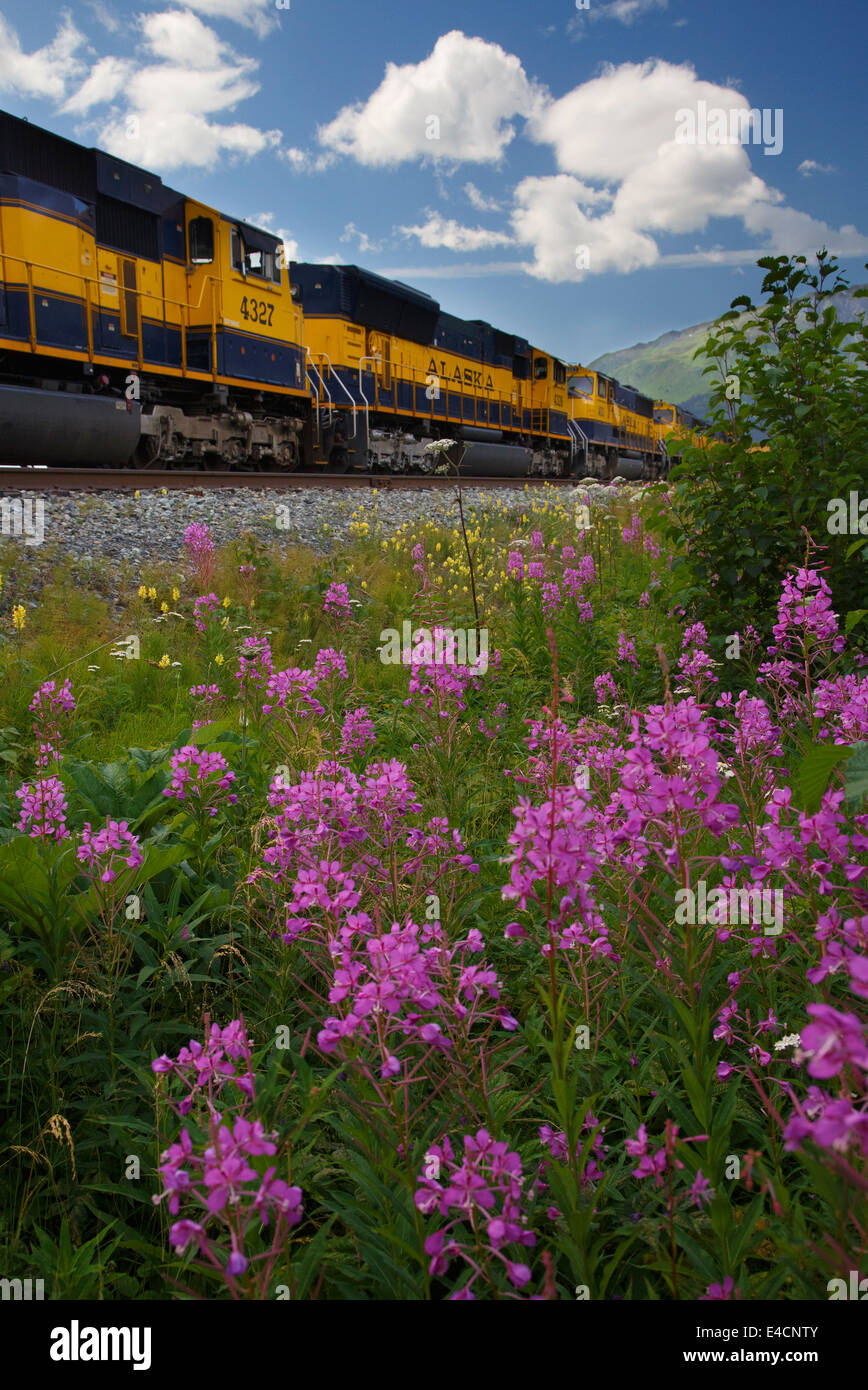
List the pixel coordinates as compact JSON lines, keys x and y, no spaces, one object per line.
{"x":142,"y":328}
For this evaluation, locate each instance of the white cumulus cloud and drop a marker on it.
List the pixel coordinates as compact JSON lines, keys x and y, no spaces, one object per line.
{"x":455,"y":105}
{"x":625,"y":181}
{"x":479,"y":200}
{"x":46,"y":72}
{"x":259,"y":15}
{"x":810,"y":166}
{"x":168,"y":99}
{"x":443,"y":231}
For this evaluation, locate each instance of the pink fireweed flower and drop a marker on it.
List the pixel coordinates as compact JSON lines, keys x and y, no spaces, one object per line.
{"x":329,"y":664}
{"x":515,"y":565}
{"x":200,"y":548}
{"x":651,"y":547}
{"x":215,"y":1180}
{"x":104,"y":851}
{"x":337,"y":601}
{"x":551,"y":599}
{"x":395,"y":990}
{"x":720,"y":1292}
{"x":255,"y":666}
{"x":207,"y":1067}
{"x":841,"y":704}
{"x":695,"y":664}
{"x":482,"y":1201}
{"x":833,"y":1041}
{"x":292,"y":692}
{"x":201,"y":777}
{"x":53,"y":705}
{"x":357,"y":732}
{"x":206,"y":697}
{"x":805,"y":613}
{"x":627,"y":650}
{"x":203,"y":607}
{"x":605,"y":689}
{"x":43,"y":809}
{"x":556,"y":1143}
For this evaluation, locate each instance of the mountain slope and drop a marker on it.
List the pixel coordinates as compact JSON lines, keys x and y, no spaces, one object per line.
{"x":666,"y":368}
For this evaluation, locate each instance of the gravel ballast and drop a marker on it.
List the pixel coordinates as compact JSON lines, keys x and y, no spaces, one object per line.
{"x":119,"y":533}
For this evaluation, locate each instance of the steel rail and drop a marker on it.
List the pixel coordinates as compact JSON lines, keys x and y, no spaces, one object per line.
{"x":51,"y":479}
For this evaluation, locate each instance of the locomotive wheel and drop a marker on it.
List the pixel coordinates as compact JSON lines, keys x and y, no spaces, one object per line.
{"x":146,"y":453}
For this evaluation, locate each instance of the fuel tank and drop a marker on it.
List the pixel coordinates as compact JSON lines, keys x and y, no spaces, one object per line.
{"x":62,"y":427}
{"x":496,"y":460}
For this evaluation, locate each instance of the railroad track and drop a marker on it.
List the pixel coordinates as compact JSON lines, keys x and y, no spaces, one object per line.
{"x":39,"y":479}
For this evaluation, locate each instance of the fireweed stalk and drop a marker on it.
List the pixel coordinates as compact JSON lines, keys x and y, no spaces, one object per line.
{"x":53,"y":706}
{"x":199,"y":783}
{"x":657,"y":814}
{"x":212,"y":1171}
{"x":109,"y":858}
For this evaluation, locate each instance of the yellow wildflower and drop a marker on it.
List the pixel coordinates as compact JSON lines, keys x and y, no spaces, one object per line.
{"x":218,"y":660}
{"x":176,"y":594}
{"x":19,"y":618}
{"x":152,"y":595}
{"x":165,"y":660}
{"x":164,"y":607}
{"x":227,"y":601}
{"x":143,"y":593}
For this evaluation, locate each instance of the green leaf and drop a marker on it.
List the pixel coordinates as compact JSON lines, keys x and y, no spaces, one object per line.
{"x":812,"y":774}
{"x":854,"y":617}
{"x":856,"y":776}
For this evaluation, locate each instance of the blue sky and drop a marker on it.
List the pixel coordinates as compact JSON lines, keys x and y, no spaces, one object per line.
{"x":529,"y":165}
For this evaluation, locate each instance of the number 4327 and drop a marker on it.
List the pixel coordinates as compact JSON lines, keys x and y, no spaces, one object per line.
{"x":257,"y":310}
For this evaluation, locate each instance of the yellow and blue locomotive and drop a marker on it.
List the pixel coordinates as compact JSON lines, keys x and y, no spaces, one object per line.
{"x":141,"y":327}
{"x":391,"y":372}
{"x":616,"y":427}
{"x":152,"y":327}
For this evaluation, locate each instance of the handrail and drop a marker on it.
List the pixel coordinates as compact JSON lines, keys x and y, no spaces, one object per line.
{"x":576,"y":429}
{"x":343,"y":388}
{"x":375,"y":358}
{"x":314,"y":367}
{"x":31,"y":308}
{"x":326,"y":390}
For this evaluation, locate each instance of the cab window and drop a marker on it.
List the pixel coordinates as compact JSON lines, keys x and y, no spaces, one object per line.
{"x":201,"y":239}
{"x":540,"y":368}
{"x":559,"y":373}
{"x":601,"y":388}
{"x":581,"y":386}
{"x":237,"y":251}
{"x":663,"y":416}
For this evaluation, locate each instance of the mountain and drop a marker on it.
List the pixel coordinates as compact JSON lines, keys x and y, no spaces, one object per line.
{"x":666,"y":368}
